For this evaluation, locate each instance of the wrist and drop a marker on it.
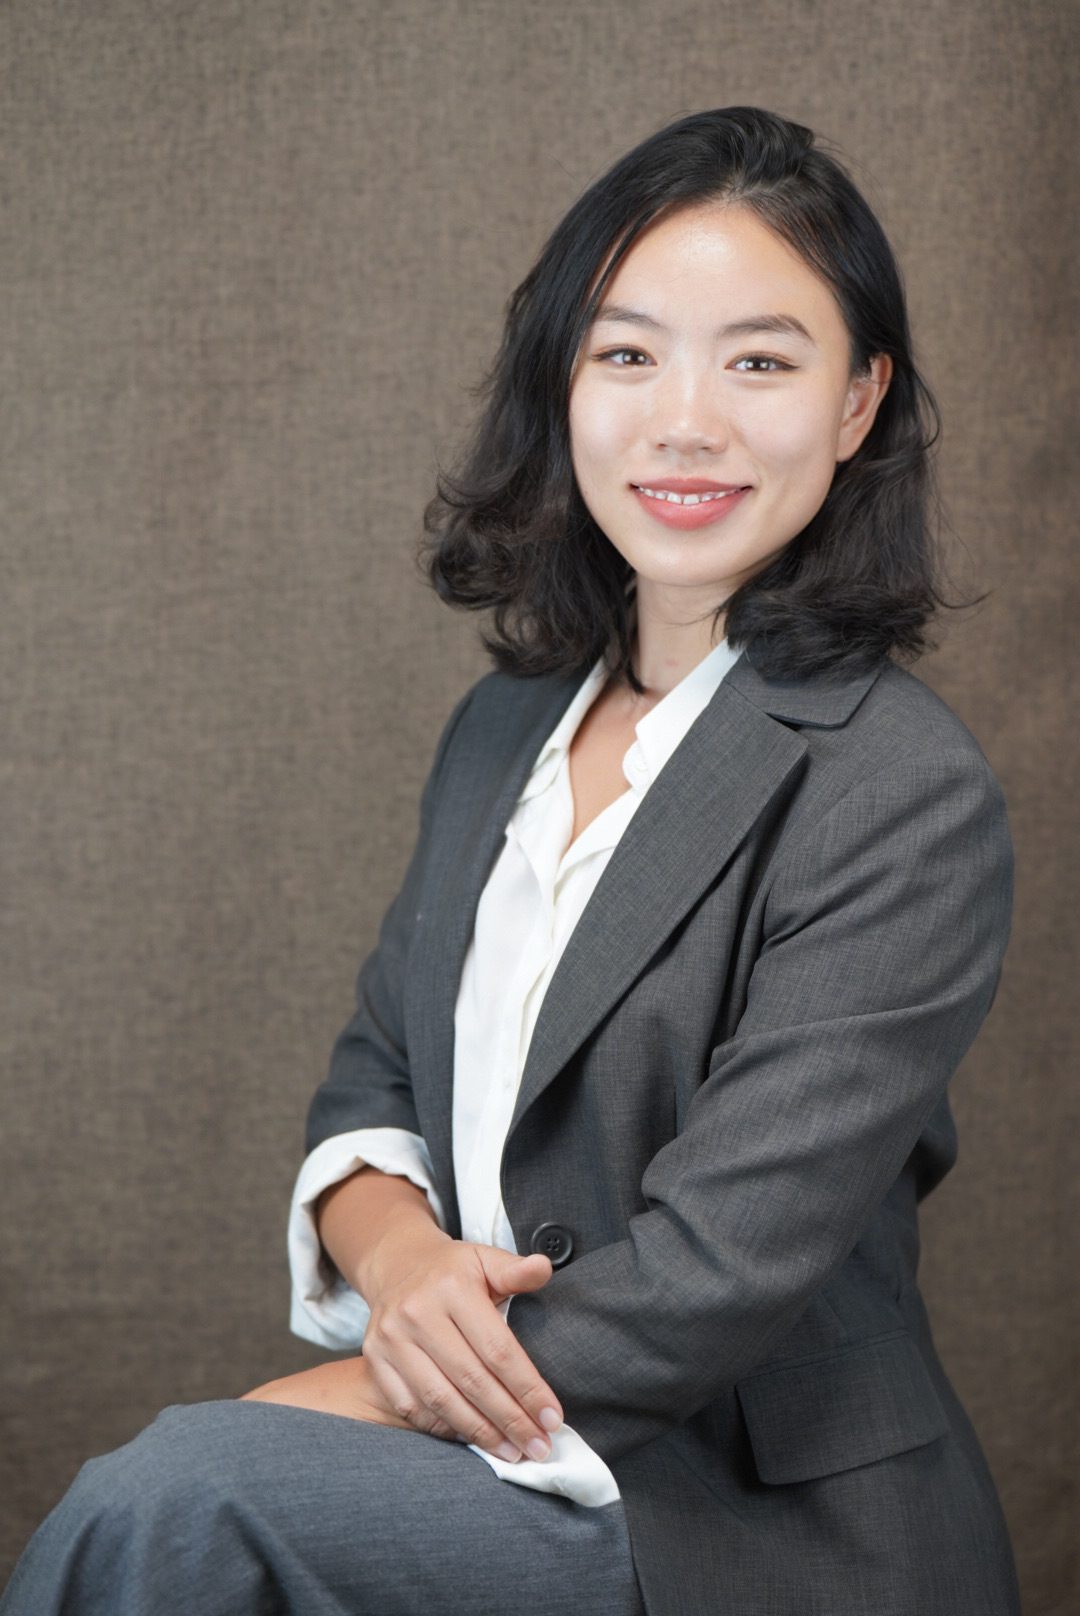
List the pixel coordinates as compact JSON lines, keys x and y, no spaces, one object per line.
{"x":356,"y":1217}
{"x":400,"y":1244}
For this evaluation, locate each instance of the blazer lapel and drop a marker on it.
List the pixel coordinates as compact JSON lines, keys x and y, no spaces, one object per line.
{"x":734,"y":758}
{"x":716,"y":783}
{"x":486,"y":768}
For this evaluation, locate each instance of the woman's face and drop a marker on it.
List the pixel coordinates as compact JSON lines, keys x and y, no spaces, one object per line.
{"x":680,"y":378}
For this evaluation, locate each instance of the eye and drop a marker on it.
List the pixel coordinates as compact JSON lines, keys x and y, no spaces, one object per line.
{"x":763,"y":359}
{"x":612,"y":353}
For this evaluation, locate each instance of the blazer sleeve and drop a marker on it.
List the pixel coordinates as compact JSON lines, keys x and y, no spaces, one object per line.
{"x":885,"y":928}
{"x":368,"y":1083}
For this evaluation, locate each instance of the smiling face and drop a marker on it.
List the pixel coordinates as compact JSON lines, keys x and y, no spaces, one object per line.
{"x":679,"y":378}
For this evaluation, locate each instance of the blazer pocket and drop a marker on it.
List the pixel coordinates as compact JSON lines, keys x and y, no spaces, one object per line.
{"x":850,"y":1408}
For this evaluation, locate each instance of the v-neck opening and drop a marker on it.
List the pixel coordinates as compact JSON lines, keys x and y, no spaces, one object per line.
{"x":574,"y":847}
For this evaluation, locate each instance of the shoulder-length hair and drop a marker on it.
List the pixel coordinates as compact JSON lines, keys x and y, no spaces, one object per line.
{"x":509,"y":530}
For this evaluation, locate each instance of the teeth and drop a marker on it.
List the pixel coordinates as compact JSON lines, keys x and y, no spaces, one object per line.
{"x":687,"y":499}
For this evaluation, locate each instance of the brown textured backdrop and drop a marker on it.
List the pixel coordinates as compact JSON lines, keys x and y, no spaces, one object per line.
{"x":253,"y":254}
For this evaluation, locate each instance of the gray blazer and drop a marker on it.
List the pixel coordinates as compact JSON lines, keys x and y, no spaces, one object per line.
{"x":734,"y":1098}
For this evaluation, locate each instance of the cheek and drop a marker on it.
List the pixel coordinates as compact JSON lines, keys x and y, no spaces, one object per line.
{"x":796,"y":433}
{"x":599,"y":428}
{"x":788,"y":438}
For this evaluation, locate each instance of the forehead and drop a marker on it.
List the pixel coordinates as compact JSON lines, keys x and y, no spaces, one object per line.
{"x":719,"y":257}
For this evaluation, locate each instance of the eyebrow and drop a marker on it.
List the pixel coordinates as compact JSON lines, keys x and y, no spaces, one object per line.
{"x":778,"y":324}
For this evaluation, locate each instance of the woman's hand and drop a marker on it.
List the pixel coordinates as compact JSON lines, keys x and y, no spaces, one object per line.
{"x":442,"y":1356}
{"x":438,"y":1356}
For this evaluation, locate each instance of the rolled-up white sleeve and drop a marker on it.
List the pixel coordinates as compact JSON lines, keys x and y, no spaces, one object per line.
{"x":324,"y":1309}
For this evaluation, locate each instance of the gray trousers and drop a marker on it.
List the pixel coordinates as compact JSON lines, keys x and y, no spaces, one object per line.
{"x":258,"y":1509}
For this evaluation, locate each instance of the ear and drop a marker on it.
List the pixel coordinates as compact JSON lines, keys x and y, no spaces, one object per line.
{"x":861,"y":405}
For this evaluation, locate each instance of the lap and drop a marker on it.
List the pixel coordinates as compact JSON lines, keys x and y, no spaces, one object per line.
{"x":301,"y":1510}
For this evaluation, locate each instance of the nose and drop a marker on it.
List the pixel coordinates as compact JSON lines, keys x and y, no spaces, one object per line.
{"x":688,"y":416}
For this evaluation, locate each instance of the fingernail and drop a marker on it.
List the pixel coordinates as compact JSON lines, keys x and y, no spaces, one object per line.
{"x":537,"y":1448}
{"x":507,"y":1450}
{"x":549,"y":1419}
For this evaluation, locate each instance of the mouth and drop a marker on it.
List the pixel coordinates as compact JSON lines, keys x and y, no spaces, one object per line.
{"x":697,"y":497}
{"x":695,"y":504}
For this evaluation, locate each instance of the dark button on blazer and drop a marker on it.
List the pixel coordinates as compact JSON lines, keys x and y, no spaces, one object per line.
{"x":735,"y":1096}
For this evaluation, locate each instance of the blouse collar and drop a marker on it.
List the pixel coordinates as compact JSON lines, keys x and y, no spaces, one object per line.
{"x":658,"y":731}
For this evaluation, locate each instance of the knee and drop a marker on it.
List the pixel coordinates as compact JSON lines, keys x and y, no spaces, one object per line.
{"x":142,"y":1526}
{"x":163,"y":1473}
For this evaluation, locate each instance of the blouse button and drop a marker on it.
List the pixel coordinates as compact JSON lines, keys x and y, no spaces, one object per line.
{"x":554,"y":1240}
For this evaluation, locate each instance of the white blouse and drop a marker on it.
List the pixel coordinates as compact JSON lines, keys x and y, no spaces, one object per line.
{"x":531,"y":903}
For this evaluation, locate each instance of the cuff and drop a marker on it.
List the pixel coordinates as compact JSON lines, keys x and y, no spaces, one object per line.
{"x":324,"y":1309}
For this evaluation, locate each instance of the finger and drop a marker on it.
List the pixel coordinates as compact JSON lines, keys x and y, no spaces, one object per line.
{"x":496,"y":1346}
{"x":424,"y":1421}
{"x":505,"y":1356}
{"x":429,"y":1393}
{"x":398,"y":1397}
{"x":448,"y":1376}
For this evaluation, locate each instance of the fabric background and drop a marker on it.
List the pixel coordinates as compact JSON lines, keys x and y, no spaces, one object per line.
{"x":252,"y":259}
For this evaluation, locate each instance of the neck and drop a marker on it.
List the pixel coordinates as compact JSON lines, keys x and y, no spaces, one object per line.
{"x":670,"y":637}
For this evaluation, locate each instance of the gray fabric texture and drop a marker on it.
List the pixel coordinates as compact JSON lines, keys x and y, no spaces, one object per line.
{"x":735,"y":1096}
{"x":257,"y":1509}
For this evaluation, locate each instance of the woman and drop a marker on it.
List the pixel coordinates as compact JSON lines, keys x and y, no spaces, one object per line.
{"x":621,"y":1151}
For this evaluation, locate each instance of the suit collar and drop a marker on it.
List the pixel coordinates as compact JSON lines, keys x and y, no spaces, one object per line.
{"x":817,"y":700}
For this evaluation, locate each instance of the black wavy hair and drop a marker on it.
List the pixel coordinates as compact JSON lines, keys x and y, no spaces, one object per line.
{"x":509,"y":530}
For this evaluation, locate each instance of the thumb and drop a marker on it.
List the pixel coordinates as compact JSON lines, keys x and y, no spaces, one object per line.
{"x":507,"y":1273}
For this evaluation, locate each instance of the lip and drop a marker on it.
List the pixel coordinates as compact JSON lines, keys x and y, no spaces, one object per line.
{"x":685,"y":485}
{"x":686,"y":518}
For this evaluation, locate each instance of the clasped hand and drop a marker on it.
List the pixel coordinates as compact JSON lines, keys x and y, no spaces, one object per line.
{"x":438,"y":1356}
